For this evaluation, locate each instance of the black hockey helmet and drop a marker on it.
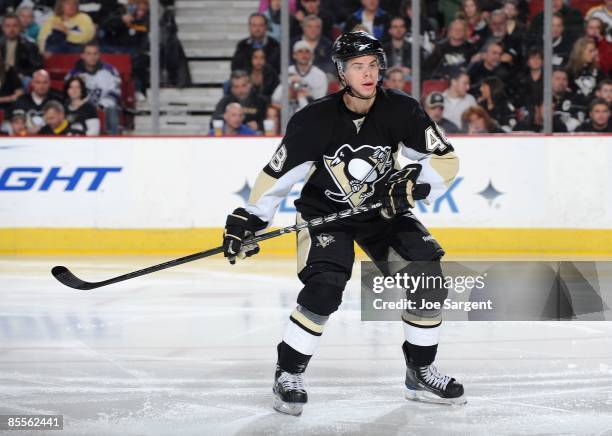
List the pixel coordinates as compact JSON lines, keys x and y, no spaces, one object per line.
{"x":354,"y":44}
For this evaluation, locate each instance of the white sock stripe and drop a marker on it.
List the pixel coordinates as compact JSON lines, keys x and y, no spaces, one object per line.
{"x":238,"y":216}
{"x":420,"y":336}
{"x":300,"y":340}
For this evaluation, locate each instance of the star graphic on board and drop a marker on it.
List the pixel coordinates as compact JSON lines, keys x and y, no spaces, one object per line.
{"x":490,"y":193}
{"x":244,"y":192}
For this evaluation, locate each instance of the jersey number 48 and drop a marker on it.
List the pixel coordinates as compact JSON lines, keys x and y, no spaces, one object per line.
{"x":279,"y":158}
{"x":435,"y":139}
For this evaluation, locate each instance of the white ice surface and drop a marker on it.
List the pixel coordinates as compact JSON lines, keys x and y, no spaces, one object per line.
{"x":191,"y":351}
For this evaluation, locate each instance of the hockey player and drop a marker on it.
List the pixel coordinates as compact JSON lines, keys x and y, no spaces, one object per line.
{"x":345,"y":147}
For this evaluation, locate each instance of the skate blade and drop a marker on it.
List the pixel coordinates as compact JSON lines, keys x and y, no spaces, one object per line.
{"x":281,"y":406}
{"x":428,"y":397}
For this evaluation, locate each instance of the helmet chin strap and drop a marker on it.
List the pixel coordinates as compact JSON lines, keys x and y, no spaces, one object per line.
{"x":350,"y":92}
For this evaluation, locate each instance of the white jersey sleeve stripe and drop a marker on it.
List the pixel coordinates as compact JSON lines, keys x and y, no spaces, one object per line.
{"x":268,"y":192}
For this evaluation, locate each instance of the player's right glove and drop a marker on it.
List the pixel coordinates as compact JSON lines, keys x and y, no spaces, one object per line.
{"x":239,"y":227}
{"x":402,"y":190}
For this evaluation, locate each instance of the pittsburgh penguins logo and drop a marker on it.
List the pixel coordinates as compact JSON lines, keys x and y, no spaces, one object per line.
{"x":356,"y":171}
{"x":586,"y":84}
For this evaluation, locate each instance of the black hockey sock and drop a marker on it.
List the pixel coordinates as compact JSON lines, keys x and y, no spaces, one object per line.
{"x":419,"y":355}
{"x":291,"y":360}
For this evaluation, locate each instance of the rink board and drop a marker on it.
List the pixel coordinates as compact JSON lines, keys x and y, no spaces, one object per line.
{"x":525,"y":194}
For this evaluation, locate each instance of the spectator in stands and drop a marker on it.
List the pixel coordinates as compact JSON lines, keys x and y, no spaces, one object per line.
{"x":599,"y":118}
{"x":530,"y":84}
{"x":434,"y":106}
{"x":313,"y":7}
{"x":604,"y":90}
{"x":99,"y":10}
{"x":320,"y":45}
{"x":32,"y":104}
{"x":241,"y":91}
{"x":10,"y":85}
{"x":490,"y":65}
{"x":428,"y":32}
{"x":512,"y":47}
{"x":456,"y":98}
{"x":562,"y":42}
{"x":339,"y":9}
{"x":470,"y":12}
{"x":310,"y":74}
{"x":603,"y":12}
{"x":477,"y":120}
{"x":29,"y":27}
{"x":398,"y":49}
{"x":18,"y":124}
{"x":56,"y":122}
{"x":17,"y":51}
{"x":494,"y":99}
{"x":451,"y":53}
{"x":514,"y":26}
{"x":127,"y":31}
{"x":572,"y":18}
{"x":395,"y":79}
{"x":264,"y":78}
{"x":103,"y":85}
{"x":534,"y":120}
{"x":273,"y":113}
{"x":80,"y":113}
{"x":300,"y":94}
{"x":263,"y":5}
{"x":258,"y":38}
{"x":583,"y":68}
{"x":67,"y":30}
{"x":570,"y":107}
{"x":375,"y":19}
{"x":233,"y":118}
{"x":273,"y":17}
{"x":596,"y":29}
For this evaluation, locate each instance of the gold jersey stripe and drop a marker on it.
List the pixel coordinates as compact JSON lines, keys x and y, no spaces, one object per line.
{"x":447,"y":166}
{"x":309,"y":324}
{"x":262,"y":184}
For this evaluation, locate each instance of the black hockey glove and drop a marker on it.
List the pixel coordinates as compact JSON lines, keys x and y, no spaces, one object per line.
{"x":402,"y":190}
{"x":240,"y":226}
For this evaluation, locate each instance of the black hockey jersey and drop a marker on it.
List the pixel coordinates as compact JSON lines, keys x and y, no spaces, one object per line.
{"x":346,"y":158}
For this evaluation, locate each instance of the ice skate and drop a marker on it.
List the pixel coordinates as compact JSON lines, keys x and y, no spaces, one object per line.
{"x":425,"y":383}
{"x":289,"y":393}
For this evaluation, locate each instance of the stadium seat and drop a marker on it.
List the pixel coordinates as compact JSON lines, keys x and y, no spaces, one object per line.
{"x":430,"y":86}
{"x":102,"y":119}
{"x":333,"y":86}
{"x":57,"y":84}
{"x":59,"y":65}
{"x":1,"y":116}
{"x":535,"y":7}
{"x":336,"y":31}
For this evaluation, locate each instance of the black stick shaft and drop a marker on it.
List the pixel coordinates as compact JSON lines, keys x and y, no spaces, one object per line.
{"x":64,"y":276}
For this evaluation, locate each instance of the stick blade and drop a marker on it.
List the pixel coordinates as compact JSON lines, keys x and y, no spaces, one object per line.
{"x":65,"y":277}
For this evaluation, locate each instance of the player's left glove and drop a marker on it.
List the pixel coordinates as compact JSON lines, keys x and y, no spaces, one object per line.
{"x":239,"y":227}
{"x":402,"y":190}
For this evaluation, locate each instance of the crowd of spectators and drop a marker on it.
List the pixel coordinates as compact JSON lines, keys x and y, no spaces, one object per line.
{"x":88,"y":100}
{"x":485,"y":58}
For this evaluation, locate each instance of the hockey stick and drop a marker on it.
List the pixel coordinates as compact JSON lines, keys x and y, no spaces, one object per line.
{"x":66,"y":277}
